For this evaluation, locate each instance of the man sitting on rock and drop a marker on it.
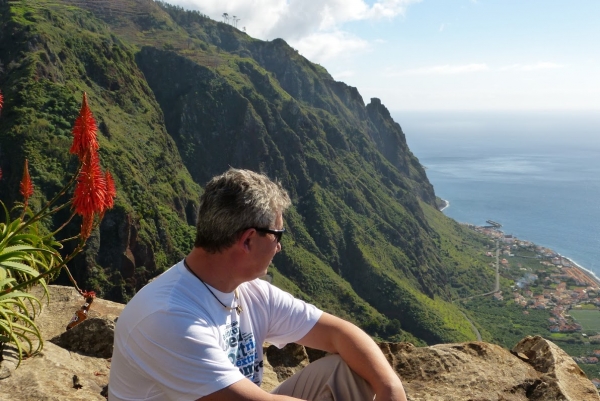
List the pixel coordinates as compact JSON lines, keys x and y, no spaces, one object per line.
{"x":196,"y":331}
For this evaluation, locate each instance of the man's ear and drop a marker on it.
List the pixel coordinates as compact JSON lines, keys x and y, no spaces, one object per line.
{"x":244,"y":241}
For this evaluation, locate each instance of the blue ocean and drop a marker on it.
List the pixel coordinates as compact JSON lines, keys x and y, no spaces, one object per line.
{"x":536,"y":173}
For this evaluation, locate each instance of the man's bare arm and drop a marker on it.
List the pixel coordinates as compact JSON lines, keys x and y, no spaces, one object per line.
{"x":338,"y":336}
{"x":244,"y":390}
{"x":359,"y":351}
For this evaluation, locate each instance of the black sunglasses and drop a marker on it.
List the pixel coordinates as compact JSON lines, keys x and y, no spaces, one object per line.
{"x":276,"y":233}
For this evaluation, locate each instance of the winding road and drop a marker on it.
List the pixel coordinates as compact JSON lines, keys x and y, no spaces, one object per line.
{"x":495,"y":290}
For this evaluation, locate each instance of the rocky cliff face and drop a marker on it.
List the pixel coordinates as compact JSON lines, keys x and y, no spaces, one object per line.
{"x":534,"y":370}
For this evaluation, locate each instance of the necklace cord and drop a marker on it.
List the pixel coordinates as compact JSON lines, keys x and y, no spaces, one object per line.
{"x":238,"y":307}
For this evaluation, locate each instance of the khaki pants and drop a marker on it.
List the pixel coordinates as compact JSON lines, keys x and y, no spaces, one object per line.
{"x":327,"y":379}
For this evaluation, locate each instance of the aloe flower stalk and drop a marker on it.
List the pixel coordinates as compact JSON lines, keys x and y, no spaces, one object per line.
{"x":28,"y":257}
{"x":90,"y":193}
{"x":87,"y":225}
{"x":95,"y":191}
{"x":26,"y":187}
{"x":84,"y":132}
{"x":111,"y":190}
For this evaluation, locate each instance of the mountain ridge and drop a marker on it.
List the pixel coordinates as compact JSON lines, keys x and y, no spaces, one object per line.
{"x":179,"y":98}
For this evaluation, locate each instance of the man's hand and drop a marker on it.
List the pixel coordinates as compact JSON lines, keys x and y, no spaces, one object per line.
{"x":360,"y":352}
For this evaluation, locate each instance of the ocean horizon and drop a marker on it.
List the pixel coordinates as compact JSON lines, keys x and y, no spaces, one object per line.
{"x":536,"y":173}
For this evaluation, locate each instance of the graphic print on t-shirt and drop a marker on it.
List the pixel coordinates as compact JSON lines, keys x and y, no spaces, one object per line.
{"x":242,"y":352}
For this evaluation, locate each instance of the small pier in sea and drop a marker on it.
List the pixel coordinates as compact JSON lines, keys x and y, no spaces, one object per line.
{"x":493,"y":224}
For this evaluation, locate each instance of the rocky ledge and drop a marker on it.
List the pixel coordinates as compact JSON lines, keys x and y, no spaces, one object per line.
{"x":75,"y":364}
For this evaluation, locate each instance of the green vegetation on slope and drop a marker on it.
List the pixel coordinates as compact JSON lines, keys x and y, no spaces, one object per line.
{"x":179,"y":98}
{"x":53,"y":56}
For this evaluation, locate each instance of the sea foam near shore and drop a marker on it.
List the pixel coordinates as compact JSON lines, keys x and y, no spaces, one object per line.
{"x":446,"y":205}
{"x":585,"y":271}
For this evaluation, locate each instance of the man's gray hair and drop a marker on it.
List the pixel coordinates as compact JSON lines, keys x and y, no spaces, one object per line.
{"x":234,"y":201}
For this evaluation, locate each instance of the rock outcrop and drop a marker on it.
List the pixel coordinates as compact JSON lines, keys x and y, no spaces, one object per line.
{"x":535,"y":369}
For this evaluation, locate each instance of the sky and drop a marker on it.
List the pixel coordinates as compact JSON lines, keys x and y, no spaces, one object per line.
{"x":429,"y":55}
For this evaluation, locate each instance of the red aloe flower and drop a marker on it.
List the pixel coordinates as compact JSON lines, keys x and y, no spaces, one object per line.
{"x":111,"y":191}
{"x":26,"y":186}
{"x":1,"y":100}
{"x":90,"y":191}
{"x":0,"y":174}
{"x":84,"y":132}
{"x":86,"y":226}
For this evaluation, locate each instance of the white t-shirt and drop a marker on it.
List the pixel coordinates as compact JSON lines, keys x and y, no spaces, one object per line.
{"x":175,"y":341}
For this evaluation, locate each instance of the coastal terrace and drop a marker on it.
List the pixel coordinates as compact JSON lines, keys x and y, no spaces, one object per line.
{"x":542,"y":282}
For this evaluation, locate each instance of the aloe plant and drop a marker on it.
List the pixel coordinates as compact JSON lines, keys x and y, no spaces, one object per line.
{"x":30,"y":257}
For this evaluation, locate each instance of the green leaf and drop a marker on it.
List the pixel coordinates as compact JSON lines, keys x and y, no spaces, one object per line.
{"x":4,"y":282}
{"x":16,"y":294}
{"x":11,"y":252}
{"x":20,"y":267}
{"x":12,"y":337}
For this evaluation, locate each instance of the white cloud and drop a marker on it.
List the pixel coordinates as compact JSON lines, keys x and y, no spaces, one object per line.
{"x":442,"y":27}
{"x":389,"y":8}
{"x":442,"y":70}
{"x":531,"y":67}
{"x":320,"y":47}
{"x":314,"y":27}
{"x":292,"y":19}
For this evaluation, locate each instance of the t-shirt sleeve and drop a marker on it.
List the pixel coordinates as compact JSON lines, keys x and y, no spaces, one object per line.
{"x":184,"y":359}
{"x":290,"y":318}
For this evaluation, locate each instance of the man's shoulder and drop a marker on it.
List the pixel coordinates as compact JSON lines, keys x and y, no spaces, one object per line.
{"x":166,"y":291}
{"x":261,"y":291}
{"x":261,"y":287}
{"x":256,"y":284}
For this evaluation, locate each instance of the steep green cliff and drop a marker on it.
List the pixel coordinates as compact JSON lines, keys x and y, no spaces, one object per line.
{"x":179,"y":98}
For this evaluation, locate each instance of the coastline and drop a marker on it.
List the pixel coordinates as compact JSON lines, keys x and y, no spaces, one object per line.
{"x":446,"y":205}
{"x":587,"y":272}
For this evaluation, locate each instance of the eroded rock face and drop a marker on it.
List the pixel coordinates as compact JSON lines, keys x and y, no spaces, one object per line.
{"x":48,"y":376}
{"x":535,"y":370}
{"x":466,"y":371}
{"x":559,"y":372}
{"x":92,"y":337}
{"x":286,"y":361}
